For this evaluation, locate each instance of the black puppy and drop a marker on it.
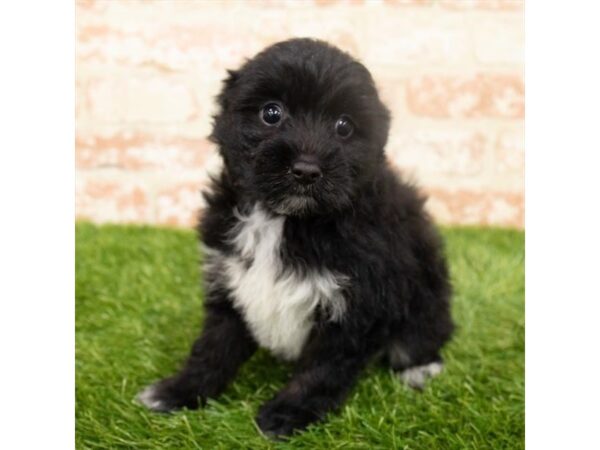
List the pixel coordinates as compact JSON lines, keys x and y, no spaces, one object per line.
{"x":314,"y":248}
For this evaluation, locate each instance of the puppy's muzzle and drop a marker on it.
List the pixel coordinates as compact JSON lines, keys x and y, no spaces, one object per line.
{"x":306,"y":172}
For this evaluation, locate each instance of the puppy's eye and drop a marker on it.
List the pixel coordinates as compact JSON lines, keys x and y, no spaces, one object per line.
{"x":271,"y":114}
{"x":344,"y":127}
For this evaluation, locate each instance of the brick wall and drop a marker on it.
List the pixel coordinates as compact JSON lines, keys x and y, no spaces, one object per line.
{"x":451,"y":71}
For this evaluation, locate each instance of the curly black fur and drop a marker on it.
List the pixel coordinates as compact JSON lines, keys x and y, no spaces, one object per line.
{"x":359,"y":221}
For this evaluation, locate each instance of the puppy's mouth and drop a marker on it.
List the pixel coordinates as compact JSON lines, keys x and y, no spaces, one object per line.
{"x":296,"y":204}
{"x":301,"y":194}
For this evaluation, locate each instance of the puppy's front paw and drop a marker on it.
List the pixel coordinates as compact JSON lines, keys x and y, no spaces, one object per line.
{"x":415,"y":377}
{"x":168,"y":395}
{"x":277,"y":419}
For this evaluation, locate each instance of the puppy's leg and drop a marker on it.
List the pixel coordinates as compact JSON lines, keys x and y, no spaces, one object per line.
{"x":223,"y":346}
{"x":327,"y":370}
{"x":413,"y":369}
{"x":414,"y":349}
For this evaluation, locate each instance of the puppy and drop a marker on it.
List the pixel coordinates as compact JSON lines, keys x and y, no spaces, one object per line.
{"x":314,"y":248}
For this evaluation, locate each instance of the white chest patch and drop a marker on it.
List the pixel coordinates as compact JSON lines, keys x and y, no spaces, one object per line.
{"x":277,"y":302}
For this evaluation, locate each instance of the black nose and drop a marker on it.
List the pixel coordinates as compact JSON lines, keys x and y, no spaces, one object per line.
{"x":306,"y":172}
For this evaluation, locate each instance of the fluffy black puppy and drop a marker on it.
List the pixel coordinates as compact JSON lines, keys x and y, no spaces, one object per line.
{"x":314,"y":248}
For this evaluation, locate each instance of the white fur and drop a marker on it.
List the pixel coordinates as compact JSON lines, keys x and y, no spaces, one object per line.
{"x":147,"y":398}
{"x":277,"y":302}
{"x":416,"y":377}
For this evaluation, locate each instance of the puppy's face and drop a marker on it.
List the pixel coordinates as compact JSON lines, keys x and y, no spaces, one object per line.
{"x":301,"y":128}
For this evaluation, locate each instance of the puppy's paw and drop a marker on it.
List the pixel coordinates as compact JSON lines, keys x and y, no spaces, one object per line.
{"x":168,"y":395}
{"x":416,"y":377}
{"x":277,"y":420}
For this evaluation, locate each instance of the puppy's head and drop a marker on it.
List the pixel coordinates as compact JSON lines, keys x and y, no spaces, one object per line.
{"x":301,"y":127}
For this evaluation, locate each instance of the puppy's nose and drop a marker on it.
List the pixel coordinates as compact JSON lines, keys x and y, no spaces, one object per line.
{"x":306,"y":172}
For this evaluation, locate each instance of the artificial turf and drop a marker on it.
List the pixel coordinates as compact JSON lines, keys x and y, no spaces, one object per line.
{"x":138,"y":309}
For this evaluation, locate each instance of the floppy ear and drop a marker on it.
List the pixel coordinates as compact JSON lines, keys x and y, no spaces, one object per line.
{"x":223,"y":101}
{"x":385,"y":122}
{"x":228,"y":83}
{"x":232,"y":76}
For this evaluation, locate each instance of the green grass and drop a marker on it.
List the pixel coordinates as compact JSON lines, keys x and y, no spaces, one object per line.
{"x":138,"y":309}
